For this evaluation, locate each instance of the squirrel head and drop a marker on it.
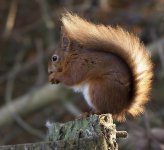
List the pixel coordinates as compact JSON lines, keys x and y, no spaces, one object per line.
{"x":62,"y":54}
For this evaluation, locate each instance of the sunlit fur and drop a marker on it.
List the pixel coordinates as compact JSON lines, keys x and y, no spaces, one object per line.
{"x":121,"y":43}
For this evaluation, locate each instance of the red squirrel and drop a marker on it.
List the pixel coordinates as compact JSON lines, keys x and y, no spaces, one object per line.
{"x":110,"y":66}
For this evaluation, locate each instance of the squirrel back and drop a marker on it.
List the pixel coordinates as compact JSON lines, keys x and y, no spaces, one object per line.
{"x":122,"y":44}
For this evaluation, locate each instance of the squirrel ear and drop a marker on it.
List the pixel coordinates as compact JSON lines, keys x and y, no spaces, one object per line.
{"x":65,"y":41}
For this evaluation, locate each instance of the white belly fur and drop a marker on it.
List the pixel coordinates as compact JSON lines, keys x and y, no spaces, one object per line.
{"x":84,"y":88}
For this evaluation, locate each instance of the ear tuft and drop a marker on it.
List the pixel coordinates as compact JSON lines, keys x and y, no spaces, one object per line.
{"x":65,"y":41}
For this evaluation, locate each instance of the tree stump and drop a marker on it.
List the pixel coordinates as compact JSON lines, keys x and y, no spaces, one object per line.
{"x":96,"y":132}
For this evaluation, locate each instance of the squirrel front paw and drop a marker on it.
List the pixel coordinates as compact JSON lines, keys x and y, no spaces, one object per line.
{"x":52,"y":79}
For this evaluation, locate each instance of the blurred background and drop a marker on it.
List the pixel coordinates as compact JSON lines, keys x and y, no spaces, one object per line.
{"x":29,"y":29}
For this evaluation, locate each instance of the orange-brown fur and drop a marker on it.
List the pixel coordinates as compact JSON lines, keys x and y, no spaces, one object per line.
{"x":112,"y":61}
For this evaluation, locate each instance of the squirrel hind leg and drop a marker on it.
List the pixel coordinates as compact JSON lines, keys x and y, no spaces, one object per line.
{"x":108,"y":96}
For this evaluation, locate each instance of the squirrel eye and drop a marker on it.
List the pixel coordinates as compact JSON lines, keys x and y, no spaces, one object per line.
{"x":55,"y":58}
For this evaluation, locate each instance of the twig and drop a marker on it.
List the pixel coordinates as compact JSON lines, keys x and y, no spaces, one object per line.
{"x":152,"y":47}
{"x":33,"y":101}
{"x":72,"y":109}
{"x":149,"y":132}
{"x":49,"y":23}
{"x":8,"y":98}
{"x":23,"y":67}
{"x":160,"y":48}
{"x":147,"y":123}
{"x":41,"y":70}
{"x":11,"y":18}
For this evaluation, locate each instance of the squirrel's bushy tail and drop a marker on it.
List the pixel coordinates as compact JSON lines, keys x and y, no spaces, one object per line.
{"x":121,"y":43}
